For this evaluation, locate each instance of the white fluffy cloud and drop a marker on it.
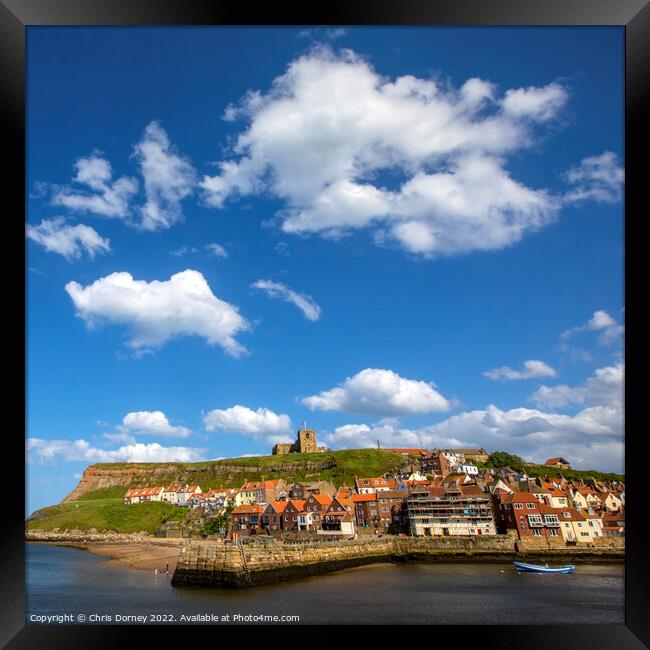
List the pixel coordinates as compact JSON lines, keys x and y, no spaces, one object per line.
{"x":240,"y":419}
{"x":604,"y":388}
{"x":328,"y":126}
{"x":530,"y":370}
{"x":305,"y":303}
{"x":539,"y":104}
{"x":49,"y":451}
{"x":597,"y":178}
{"x":607,"y":327}
{"x":56,"y":236}
{"x":379,"y":392}
{"x":591,"y":439}
{"x":168,"y":178}
{"x":103,"y":195}
{"x":151,"y":423}
{"x":157,"y":311}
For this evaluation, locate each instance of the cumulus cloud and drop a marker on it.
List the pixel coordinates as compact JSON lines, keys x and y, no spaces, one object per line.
{"x":241,"y":419}
{"x":103,"y":195}
{"x":597,"y":178}
{"x":150,"y":423}
{"x":530,"y":370}
{"x":49,"y":451}
{"x":535,"y":103}
{"x":158,"y":311}
{"x":604,"y":388}
{"x":168,"y":178}
{"x":609,"y":330}
{"x":592,"y":439}
{"x":305,"y":303}
{"x":121,"y":438}
{"x":56,"y":236}
{"x":379,"y":392}
{"x":331,"y":124}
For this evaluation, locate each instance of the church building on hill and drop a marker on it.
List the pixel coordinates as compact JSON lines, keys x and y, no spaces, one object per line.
{"x":305,"y":443}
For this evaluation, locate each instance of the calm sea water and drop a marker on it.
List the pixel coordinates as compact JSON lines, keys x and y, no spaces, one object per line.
{"x":70,"y":581}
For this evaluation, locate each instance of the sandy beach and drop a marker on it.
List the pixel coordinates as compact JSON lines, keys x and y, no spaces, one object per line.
{"x":146,"y":556}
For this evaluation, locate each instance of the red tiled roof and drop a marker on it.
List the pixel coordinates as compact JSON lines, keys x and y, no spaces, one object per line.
{"x":254,"y":508}
{"x":372,"y":482}
{"x":558,"y":459}
{"x":323,"y":499}
{"x":278,"y":506}
{"x":355,"y":498}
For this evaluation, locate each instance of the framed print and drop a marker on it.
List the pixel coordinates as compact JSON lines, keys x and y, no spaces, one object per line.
{"x":325,"y":319}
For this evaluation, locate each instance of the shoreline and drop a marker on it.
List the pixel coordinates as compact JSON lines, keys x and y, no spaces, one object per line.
{"x":226,"y":566}
{"x":143,"y":552}
{"x":137,"y":556}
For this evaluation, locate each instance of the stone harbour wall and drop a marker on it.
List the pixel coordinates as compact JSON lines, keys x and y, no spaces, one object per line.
{"x":227,"y":565}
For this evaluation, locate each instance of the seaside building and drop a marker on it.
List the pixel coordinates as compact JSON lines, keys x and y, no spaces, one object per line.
{"x":558,"y":462}
{"x":449,"y":511}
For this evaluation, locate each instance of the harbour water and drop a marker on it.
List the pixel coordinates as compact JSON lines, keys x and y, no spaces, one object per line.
{"x":70,"y":581}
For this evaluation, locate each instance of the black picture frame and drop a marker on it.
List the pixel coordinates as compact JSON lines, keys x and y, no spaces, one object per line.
{"x":633,"y":15}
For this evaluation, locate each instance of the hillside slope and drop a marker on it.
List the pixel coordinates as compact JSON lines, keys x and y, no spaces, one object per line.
{"x":340,"y":467}
{"x":96,"y":502}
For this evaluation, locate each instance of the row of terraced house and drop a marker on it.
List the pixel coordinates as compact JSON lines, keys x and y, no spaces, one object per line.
{"x":442,"y":493}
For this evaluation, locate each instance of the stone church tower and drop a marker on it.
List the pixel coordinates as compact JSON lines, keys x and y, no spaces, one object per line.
{"x":306,"y":443}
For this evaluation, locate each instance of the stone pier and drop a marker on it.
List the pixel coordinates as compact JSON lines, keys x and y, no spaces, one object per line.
{"x":265,"y":561}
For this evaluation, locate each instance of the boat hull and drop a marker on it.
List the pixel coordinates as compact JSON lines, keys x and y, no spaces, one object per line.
{"x":536,"y":568}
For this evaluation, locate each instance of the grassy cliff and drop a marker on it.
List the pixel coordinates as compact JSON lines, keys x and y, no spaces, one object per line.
{"x":97,"y":501}
{"x":105,"y":514}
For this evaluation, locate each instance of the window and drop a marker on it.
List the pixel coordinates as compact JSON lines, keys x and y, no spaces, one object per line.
{"x":566,"y":514}
{"x":530,"y":506}
{"x":535,"y":520}
{"x":537,"y":532}
{"x":519,"y":506}
{"x":553,"y":532}
{"x":551,"y":520}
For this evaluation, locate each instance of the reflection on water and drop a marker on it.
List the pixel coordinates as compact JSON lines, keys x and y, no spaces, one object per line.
{"x":65,"y":580}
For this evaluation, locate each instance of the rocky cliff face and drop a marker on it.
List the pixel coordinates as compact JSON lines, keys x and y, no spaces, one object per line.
{"x":98,"y":478}
{"x":95,"y":478}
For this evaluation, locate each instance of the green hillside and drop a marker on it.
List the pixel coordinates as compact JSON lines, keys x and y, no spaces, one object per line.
{"x":345,"y":465}
{"x":103,"y":509}
{"x":105,"y":514}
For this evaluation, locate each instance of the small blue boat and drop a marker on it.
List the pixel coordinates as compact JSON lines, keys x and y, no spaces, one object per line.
{"x":537,"y":568}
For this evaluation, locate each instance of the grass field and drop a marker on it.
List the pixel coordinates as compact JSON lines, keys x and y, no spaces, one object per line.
{"x":106,"y":514}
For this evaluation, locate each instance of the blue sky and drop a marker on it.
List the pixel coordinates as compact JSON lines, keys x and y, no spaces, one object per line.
{"x":411,"y":235}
